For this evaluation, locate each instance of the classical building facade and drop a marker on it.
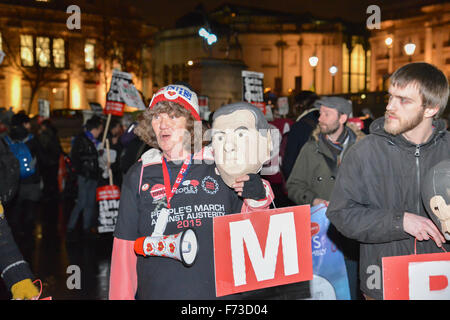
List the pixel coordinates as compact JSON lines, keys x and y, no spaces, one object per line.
{"x":48,"y":57}
{"x":427,"y":32}
{"x":277,"y":44}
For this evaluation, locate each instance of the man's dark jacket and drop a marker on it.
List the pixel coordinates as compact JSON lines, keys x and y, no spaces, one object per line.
{"x":377,"y":182}
{"x":297,"y":137}
{"x":84,"y":156}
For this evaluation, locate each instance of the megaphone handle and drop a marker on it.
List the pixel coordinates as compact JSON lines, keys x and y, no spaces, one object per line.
{"x":161,"y":223}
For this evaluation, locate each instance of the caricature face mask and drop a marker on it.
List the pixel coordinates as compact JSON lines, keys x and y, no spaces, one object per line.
{"x":239,"y":147}
{"x":436,"y":196}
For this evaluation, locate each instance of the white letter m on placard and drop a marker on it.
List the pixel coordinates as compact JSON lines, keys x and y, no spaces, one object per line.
{"x":280,"y":226}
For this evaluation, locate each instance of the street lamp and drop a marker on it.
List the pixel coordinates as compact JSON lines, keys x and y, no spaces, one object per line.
{"x":333,"y":70}
{"x":313,"y":61}
{"x":388,"y":41}
{"x":409,"y":49}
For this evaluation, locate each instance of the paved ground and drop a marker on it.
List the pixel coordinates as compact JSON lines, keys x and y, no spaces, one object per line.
{"x":56,"y":262}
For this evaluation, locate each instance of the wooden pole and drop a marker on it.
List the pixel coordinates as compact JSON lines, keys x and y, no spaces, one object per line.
{"x":105,"y":131}
{"x":108,"y":156}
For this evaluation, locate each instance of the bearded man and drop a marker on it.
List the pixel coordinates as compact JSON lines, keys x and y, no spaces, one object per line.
{"x":314,"y":173}
{"x":377,"y":196}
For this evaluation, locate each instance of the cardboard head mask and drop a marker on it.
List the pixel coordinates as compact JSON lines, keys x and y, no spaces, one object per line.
{"x":241,"y":140}
{"x":436,"y":195}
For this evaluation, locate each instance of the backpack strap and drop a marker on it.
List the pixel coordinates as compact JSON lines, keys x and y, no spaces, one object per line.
{"x":8,"y":140}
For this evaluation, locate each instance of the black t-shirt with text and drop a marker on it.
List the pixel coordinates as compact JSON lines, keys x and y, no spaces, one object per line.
{"x":201,"y":196}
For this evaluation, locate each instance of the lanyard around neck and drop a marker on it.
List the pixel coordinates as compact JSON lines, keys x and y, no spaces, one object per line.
{"x":183,"y":171}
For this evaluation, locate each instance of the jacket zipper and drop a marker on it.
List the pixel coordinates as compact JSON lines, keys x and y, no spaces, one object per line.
{"x":417,"y":155}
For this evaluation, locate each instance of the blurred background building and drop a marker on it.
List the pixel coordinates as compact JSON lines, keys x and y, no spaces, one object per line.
{"x":422,"y":35}
{"x":295,"y":51}
{"x":69,"y":68}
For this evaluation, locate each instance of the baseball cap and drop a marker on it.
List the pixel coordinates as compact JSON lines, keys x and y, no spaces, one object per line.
{"x":340,"y":104}
{"x":179,"y":94}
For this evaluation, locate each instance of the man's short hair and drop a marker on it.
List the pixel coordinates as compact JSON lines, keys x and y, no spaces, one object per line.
{"x":93,"y":123}
{"x":431,"y":82}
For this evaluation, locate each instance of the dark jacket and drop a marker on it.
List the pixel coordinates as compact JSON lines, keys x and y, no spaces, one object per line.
{"x":297,"y":137}
{"x":84,"y":156}
{"x":51,"y":146}
{"x":13,"y":268}
{"x":378,"y":181}
{"x":315,"y":169}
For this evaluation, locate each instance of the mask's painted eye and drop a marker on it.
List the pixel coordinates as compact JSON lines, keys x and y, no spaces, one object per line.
{"x":218,"y":137}
{"x":241,"y":133}
{"x":436,"y":208}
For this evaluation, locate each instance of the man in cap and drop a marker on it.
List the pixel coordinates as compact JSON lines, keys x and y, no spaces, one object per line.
{"x":312,"y":178}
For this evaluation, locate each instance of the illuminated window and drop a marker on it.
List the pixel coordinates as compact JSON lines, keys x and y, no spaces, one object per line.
{"x":89,"y":54}
{"x":59,"y":54}
{"x":26,"y":50}
{"x":43,"y":51}
{"x":357,"y":70}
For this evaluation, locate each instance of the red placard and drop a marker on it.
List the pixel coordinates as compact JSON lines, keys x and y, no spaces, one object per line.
{"x":261,"y":106}
{"x":417,"y":277}
{"x":114,"y":108}
{"x":262,"y":249}
{"x":108,"y":193}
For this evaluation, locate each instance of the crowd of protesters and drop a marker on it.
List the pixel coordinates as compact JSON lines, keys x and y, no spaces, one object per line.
{"x":316,"y":163}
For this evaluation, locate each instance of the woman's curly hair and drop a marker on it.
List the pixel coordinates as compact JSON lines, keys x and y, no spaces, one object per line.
{"x":193,"y":136}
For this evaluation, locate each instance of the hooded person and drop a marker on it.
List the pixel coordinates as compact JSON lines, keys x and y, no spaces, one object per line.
{"x":28,"y":150}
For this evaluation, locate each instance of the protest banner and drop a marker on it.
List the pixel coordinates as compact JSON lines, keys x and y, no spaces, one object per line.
{"x":203,"y":105}
{"x":44,"y":109}
{"x":283,"y":106}
{"x":330,"y":280}
{"x":262,"y":249}
{"x":417,"y":277}
{"x":121,"y":92}
{"x":253,"y":89}
{"x":108,"y":198}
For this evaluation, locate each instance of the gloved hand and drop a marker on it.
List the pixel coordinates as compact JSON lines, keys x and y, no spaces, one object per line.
{"x":250,"y":187}
{"x":24,"y":289}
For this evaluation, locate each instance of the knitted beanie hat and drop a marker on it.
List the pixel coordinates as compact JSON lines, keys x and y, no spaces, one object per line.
{"x":179,"y":94}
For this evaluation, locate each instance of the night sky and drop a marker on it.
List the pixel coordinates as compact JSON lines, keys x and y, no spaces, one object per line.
{"x":165,"y":13}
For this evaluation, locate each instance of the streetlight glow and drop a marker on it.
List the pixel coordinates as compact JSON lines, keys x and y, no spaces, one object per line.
{"x":409,"y":48}
{"x":313,"y":61}
{"x":210,"y":37}
{"x":388,"y":41}
{"x":333,"y":70}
